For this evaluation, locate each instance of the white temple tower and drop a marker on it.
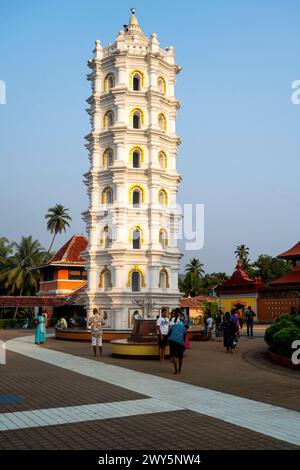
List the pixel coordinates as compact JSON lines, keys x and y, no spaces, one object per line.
{"x":132,"y":220}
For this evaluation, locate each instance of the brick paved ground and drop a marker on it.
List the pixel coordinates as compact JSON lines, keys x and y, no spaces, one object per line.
{"x":181,"y":430}
{"x":246,"y":373}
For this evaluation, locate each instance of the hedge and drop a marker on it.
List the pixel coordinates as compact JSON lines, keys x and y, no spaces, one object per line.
{"x":281,"y":335}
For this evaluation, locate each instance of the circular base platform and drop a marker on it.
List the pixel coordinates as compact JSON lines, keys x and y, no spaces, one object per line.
{"x":122,"y":347}
{"x":78,"y":334}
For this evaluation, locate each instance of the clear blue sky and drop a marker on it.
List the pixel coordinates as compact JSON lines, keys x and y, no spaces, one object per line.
{"x":240,"y":131}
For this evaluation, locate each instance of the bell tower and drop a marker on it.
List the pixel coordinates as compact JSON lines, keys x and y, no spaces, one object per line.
{"x":132,"y":219}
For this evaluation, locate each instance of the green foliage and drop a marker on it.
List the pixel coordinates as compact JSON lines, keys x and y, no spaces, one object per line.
{"x":269,"y":268}
{"x":283,"y":339}
{"x":57,"y":220}
{"x":213,"y":279}
{"x":242,"y":253}
{"x":195,"y":267}
{"x":282,"y":333}
{"x":2,"y":323}
{"x":190,"y":285}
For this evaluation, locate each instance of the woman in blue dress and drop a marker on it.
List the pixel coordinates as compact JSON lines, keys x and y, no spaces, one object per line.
{"x":40,"y":332}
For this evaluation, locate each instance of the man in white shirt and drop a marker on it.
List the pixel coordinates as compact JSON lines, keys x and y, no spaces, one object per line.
{"x":162,"y":329}
{"x":209,"y":325}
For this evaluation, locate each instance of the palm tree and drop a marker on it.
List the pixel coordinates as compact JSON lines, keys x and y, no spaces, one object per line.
{"x":242,"y":253}
{"x":6,"y":249}
{"x":57,"y":221}
{"x":195,"y":267}
{"x":18,"y":277}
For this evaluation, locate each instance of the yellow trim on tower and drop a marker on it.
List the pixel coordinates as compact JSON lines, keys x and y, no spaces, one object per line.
{"x":163,"y":270}
{"x":104,"y":156}
{"x":140,"y":111}
{"x":131,"y":232}
{"x":164,"y":82}
{"x":164,"y":119}
{"x":166,"y":241}
{"x":110,"y":74}
{"x":134,"y":269}
{"x":105,"y":117}
{"x":103,"y":199}
{"x":136,"y":71}
{"x":162,"y":152}
{"x":105,"y":270}
{"x":165,"y":196}
{"x":133,"y":149}
{"x":131,"y":192}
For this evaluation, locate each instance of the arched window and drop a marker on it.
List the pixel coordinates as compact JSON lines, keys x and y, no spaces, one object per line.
{"x":161,"y":85}
{"x":107,"y":195}
{"x":162,"y":197}
{"x":136,"y":82}
{"x":137,"y":118}
{"x":136,"y":281}
{"x":108,"y":119}
{"x":136,"y":278}
{"x":108,"y":158}
{"x":162,"y":122}
{"x":163,"y":238}
{"x":105,"y":278}
{"x":163,"y":282}
{"x":136,"y":197}
{"x":163,"y":160}
{"x":109,"y":82}
{"x":137,"y":79}
{"x":106,"y":238}
{"x":136,"y":158}
{"x":136,"y":194}
{"x":136,"y":239}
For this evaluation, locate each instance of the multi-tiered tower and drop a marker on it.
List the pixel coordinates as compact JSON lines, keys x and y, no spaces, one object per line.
{"x":132,"y":221}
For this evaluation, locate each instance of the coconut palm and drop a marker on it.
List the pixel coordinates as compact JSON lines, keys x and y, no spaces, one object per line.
{"x":6,"y":249}
{"x":242,"y":253}
{"x":18,"y":277}
{"x":57,"y":221}
{"x":195,"y":267}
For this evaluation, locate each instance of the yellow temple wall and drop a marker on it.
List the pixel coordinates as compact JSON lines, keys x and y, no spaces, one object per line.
{"x":228,"y":303}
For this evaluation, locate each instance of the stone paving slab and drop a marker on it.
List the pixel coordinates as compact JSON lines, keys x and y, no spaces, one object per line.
{"x":181,"y":430}
{"x":40,"y":385}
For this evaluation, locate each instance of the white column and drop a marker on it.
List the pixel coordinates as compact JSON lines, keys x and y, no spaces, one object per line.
{"x":122,"y":76}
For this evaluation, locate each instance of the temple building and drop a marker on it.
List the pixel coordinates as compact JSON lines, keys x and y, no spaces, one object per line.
{"x":65,"y":272}
{"x":240,"y":291}
{"x":284,"y":292}
{"x":132,"y":258}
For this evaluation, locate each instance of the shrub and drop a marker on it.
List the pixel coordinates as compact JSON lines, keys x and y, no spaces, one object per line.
{"x":2,"y":323}
{"x":283,"y":322}
{"x":282,"y":340}
{"x":11,"y":323}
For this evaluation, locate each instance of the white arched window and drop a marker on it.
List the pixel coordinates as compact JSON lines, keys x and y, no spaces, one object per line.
{"x":162,"y":280}
{"x":136,"y":119}
{"x":136,"y":239}
{"x":109,"y":82}
{"x":161,"y":84}
{"x":162,"y":158}
{"x":163,"y":240}
{"x":162,"y":122}
{"x":109,"y":158}
{"x":108,"y":119}
{"x":135,"y":281}
{"x":107,"y":237}
{"x":107,"y":280}
{"x":162,"y":197}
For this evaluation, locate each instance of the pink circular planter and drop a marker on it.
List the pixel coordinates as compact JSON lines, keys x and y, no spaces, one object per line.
{"x":282,"y":361}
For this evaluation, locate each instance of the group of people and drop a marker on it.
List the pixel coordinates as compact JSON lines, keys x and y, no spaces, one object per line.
{"x":229,"y":324}
{"x":173,"y":332}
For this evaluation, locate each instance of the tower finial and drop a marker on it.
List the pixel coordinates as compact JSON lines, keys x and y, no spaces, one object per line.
{"x":133,"y":10}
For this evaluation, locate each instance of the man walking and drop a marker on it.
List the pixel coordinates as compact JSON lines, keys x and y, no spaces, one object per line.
{"x":250,"y":314}
{"x":96,"y":323}
{"x":162,"y":329}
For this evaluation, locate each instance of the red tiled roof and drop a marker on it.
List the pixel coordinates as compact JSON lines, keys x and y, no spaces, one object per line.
{"x":69,"y":253}
{"x":294,"y":252}
{"x":31,"y":301}
{"x":240,"y":282}
{"x":291,"y":278}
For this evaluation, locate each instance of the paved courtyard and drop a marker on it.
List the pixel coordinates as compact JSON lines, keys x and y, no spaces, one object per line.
{"x":59,"y":397}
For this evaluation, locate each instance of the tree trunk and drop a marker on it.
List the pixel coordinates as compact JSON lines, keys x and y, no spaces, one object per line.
{"x":55,"y":233}
{"x":17,"y":308}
